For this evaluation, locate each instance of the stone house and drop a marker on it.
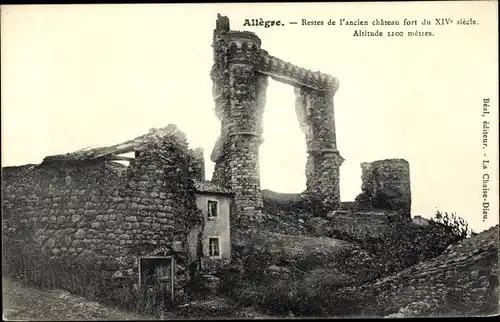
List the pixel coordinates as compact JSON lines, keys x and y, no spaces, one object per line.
{"x":134,"y":224}
{"x":216,"y":203}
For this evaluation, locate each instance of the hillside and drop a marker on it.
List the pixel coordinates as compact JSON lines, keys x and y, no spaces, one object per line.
{"x":406,"y":271}
{"x":462,"y":281}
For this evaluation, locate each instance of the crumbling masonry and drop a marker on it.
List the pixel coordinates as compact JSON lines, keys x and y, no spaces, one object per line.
{"x":240,"y":75}
{"x":83,"y":206}
{"x":386,"y":185}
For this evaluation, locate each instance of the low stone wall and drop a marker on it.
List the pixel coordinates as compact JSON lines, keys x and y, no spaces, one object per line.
{"x":363,"y":225}
{"x":104,"y":212}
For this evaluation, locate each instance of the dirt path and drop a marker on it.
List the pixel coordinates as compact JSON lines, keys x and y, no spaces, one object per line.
{"x":20,"y":302}
{"x":218,"y":307}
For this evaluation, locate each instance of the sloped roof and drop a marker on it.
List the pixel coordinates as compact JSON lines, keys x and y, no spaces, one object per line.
{"x":112,"y":152}
{"x":210,"y":187}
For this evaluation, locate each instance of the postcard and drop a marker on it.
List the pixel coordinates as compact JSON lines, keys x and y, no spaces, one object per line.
{"x":250,"y":160}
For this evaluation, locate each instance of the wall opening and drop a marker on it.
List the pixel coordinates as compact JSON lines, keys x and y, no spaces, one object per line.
{"x":127,"y":157}
{"x":214,"y":247}
{"x":212,"y":209}
{"x":156,"y":274}
{"x":283,"y":153}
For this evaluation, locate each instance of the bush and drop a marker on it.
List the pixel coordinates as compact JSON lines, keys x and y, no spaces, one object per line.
{"x":231,"y":278}
{"x":457,"y":226}
{"x":79,"y":277}
{"x":297,"y":296}
{"x":408,"y":244}
{"x":332,"y":302}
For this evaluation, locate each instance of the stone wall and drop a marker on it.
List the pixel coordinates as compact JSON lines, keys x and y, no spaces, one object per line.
{"x":461,"y":281}
{"x":197,"y":164}
{"x":221,"y":95}
{"x":363,"y":225}
{"x":316,"y":117}
{"x":107,"y":213}
{"x":386,"y":185}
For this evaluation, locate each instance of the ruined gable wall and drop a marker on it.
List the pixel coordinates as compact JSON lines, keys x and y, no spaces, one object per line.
{"x":103,"y":213}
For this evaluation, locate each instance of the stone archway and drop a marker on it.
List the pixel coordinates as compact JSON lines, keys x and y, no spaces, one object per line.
{"x":240,"y":77}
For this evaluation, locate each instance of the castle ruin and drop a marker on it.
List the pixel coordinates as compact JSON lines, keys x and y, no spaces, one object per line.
{"x":240,"y":78}
{"x":120,"y":221}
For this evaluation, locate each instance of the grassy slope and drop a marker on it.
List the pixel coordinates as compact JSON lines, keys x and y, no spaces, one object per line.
{"x":283,"y":249}
{"x":35,"y":304}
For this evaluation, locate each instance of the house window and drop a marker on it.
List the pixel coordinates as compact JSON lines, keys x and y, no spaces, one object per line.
{"x":212,"y":208}
{"x":213,"y":246}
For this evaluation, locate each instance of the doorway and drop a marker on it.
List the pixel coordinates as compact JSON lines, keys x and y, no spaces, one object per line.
{"x":156,"y":275}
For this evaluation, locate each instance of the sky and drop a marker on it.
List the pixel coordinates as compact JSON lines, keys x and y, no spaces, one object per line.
{"x":75,"y":76}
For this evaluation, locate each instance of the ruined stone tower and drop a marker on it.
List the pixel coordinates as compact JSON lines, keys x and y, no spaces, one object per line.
{"x":240,"y":75}
{"x":386,"y":185}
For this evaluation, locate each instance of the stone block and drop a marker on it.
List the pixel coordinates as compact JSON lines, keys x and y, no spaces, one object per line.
{"x":80,"y":234}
